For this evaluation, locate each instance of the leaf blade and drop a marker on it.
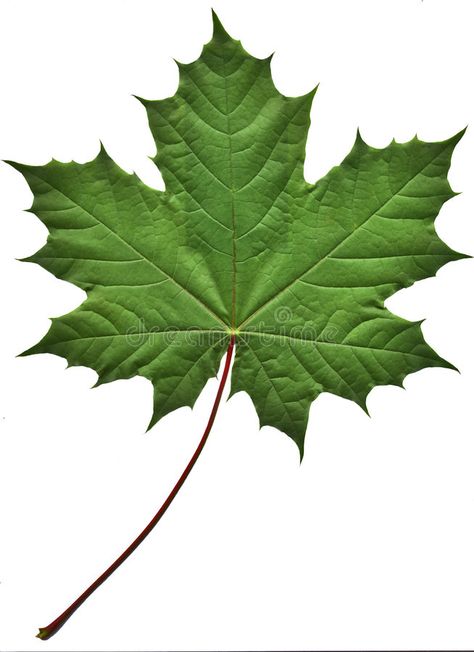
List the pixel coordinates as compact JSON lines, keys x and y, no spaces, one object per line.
{"x":239,"y":244}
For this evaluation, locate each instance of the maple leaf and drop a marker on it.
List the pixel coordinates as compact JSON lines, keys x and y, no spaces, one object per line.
{"x":239,"y":247}
{"x":239,"y":242}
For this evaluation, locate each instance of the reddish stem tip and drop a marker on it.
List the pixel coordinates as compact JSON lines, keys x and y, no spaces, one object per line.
{"x":44,"y":633}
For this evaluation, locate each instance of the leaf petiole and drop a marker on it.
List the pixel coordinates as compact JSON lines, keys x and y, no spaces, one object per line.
{"x":55,"y":625}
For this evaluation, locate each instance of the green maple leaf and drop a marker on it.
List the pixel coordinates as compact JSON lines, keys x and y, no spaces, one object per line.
{"x":240,"y":243}
{"x":239,"y":248}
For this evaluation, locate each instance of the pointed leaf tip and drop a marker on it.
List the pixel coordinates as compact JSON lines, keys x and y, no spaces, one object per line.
{"x":218,"y":31}
{"x":300,"y":450}
{"x":358,"y":139}
{"x":457,"y":137}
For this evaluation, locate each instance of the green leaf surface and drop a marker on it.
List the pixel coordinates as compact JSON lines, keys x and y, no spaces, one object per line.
{"x":240,"y":243}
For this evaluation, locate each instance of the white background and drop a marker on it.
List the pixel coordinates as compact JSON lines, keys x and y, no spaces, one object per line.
{"x":369,"y":543}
